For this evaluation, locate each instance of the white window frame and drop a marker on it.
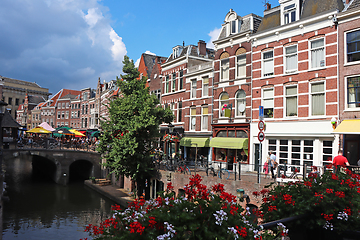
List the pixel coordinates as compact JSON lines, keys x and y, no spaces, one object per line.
{"x":241,"y":64}
{"x":221,"y":103}
{"x":268,"y":61}
{"x":346,"y":57}
{"x":173,"y":82}
{"x":192,"y":122}
{"x":268,"y":101}
{"x":224,"y":69}
{"x":167,"y":84}
{"x":322,"y":62}
{"x":205,"y":117}
{"x":352,"y":105}
{"x":193,"y":88}
{"x":238,"y":102}
{"x":181,"y":80}
{"x":288,"y":98}
{"x":205,"y":86}
{"x":291,"y":55}
{"x":312,"y":94}
{"x":287,"y":13}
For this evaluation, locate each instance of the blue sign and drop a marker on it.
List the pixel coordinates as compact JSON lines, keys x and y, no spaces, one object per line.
{"x":261,"y":111}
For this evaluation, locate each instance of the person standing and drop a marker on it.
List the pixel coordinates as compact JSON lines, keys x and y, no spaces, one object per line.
{"x":340,"y":160}
{"x":266,"y":166}
{"x":272,"y":163}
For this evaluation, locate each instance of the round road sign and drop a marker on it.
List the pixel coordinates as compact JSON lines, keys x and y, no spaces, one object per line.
{"x":261,"y":125}
{"x":261,"y":136}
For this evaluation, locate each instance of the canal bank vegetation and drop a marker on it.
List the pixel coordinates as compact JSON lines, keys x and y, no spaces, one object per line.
{"x":131,"y":128}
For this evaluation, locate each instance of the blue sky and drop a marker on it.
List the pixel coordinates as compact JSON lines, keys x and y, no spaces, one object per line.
{"x":71,"y":43}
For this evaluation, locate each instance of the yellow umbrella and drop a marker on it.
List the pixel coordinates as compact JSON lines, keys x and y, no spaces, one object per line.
{"x":77,"y":133}
{"x":38,"y":129}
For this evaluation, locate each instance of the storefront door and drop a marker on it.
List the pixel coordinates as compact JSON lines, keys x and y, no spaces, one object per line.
{"x":352,"y":151}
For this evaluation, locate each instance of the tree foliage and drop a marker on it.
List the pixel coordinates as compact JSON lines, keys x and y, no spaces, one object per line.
{"x":132,"y":126}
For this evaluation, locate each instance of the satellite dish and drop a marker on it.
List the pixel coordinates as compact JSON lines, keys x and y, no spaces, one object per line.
{"x":241,"y":108}
{"x":193,"y":121}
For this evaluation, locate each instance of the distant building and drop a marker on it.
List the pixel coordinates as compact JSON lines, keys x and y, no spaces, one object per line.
{"x":14,"y":92}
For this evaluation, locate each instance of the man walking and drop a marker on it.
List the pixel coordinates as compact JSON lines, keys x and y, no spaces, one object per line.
{"x":272,"y":162}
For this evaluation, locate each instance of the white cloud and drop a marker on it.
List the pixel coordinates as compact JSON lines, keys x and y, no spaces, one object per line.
{"x":214,"y":34}
{"x":59,"y":43}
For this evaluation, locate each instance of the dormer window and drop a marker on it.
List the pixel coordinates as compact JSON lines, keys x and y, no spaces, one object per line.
{"x":289,"y":14}
{"x":235,"y":26}
{"x":177,"y":51}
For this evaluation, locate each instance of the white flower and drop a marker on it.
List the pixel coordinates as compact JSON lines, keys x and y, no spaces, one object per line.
{"x":220,"y":217}
{"x":233,"y":231}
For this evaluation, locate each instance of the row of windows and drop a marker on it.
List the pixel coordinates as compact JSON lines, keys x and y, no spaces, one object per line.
{"x":299,"y":152}
{"x":170,"y":84}
{"x":317,"y":96}
{"x":205,"y":87}
{"x":17,"y":101}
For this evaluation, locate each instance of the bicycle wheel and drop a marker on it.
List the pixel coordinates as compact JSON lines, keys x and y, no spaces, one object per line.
{"x":298,"y":176}
{"x":187,"y":171}
{"x":224,"y":173}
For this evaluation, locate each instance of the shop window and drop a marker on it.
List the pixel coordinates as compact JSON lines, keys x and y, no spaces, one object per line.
{"x":222,"y":133}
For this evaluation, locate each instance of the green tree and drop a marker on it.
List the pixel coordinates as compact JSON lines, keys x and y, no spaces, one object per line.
{"x":132,"y":127}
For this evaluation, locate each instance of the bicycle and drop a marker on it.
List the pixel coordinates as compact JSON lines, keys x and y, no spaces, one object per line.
{"x":182,"y":168}
{"x":294,"y":174}
{"x":223,"y":172}
{"x":211,"y":169}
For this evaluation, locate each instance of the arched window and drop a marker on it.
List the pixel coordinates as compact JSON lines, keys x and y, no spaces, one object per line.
{"x":240,"y":103}
{"x":224,"y":101}
{"x":224,"y":68}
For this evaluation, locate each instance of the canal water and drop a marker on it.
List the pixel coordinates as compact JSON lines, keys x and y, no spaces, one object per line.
{"x":41,"y":209}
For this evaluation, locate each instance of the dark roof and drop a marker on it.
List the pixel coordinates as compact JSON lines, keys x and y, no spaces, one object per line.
{"x":150,"y":61}
{"x":354,"y":4}
{"x":312,"y":7}
{"x":8,"y":121}
{"x":270,"y":20}
{"x":308,"y":9}
{"x":192,"y":50}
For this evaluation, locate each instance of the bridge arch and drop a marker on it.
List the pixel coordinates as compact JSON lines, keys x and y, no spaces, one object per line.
{"x":66,"y":162}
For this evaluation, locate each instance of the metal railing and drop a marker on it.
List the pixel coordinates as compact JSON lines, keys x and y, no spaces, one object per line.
{"x":52,"y":145}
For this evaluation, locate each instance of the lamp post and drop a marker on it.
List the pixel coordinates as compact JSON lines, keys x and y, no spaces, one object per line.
{"x":171,"y":130}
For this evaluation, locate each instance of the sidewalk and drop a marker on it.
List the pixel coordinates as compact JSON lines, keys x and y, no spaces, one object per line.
{"x":118,"y":195}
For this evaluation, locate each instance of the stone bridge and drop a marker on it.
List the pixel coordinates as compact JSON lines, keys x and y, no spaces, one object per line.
{"x":60,"y":165}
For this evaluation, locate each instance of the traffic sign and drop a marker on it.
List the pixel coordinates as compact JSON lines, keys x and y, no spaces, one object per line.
{"x":261,"y":136}
{"x":261,"y":112}
{"x":261,"y":125}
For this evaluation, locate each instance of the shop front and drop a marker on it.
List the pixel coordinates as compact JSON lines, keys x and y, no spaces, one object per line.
{"x":195,"y":146}
{"x":350,"y":130}
{"x":230,"y":144}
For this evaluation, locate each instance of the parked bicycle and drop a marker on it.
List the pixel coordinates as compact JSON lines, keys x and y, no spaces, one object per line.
{"x":210,"y":169}
{"x":294,"y":174}
{"x":182,"y":168}
{"x":223,"y":173}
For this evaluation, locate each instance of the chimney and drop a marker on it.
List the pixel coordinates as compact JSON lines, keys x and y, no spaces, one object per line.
{"x":202,"y":47}
{"x":268,"y":6}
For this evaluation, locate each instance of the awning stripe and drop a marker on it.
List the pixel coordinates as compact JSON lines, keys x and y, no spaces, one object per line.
{"x":194,"y":142}
{"x":229,"y":143}
{"x":350,"y":126}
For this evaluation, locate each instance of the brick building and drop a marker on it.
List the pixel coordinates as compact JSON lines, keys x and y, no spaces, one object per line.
{"x":232,"y":89}
{"x":294,"y":77}
{"x":349,"y":80}
{"x":186,"y":89}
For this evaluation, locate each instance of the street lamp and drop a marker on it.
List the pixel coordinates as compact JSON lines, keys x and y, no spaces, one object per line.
{"x":171,"y":130}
